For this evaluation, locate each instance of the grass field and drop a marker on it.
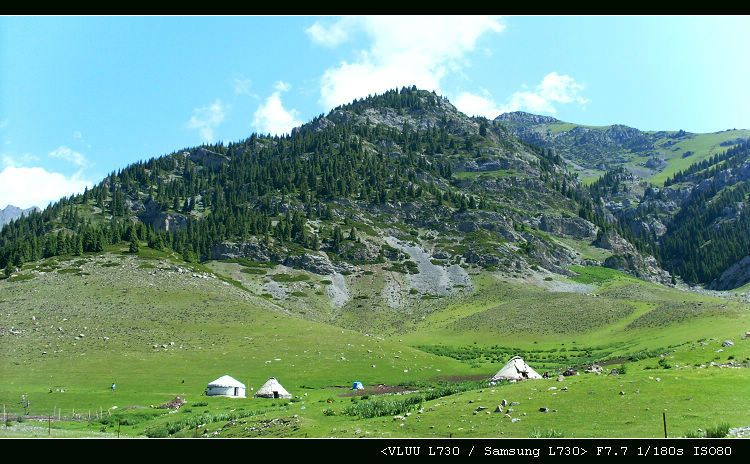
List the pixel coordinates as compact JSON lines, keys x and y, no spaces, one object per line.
{"x":702,"y":146}
{"x":161,"y":328}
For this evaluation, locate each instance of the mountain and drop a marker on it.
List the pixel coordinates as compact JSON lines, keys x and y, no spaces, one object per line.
{"x":592,"y":150}
{"x":681,"y":195}
{"x":10,"y":213}
{"x":403,"y":179}
{"x":398,"y":166}
{"x":395,"y":242}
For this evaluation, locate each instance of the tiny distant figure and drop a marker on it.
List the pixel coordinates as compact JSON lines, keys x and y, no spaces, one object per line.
{"x":183,"y":380}
{"x":113,"y":387}
{"x":546,"y":375}
{"x":28,"y":407}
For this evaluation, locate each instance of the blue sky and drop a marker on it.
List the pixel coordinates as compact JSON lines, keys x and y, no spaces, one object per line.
{"x":81,"y":97}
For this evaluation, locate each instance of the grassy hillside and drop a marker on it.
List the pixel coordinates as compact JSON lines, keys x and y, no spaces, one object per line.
{"x":701,"y":145}
{"x":161,"y":328}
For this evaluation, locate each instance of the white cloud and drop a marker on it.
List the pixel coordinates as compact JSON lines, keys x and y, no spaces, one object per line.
{"x":329,"y":36}
{"x":282,"y":86}
{"x":27,"y":187}
{"x":65,"y":153}
{"x":477,"y":105}
{"x":242,"y":86}
{"x":77,"y":135}
{"x":272,"y":118}
{"x":554,"y":88}
{"x":206,"y":119}
{"x":404,"y":51}
{"x":23,"y":160}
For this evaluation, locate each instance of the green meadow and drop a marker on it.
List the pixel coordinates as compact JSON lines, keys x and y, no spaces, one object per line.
{"x":161,"y":328}
{"x":702,"y":145}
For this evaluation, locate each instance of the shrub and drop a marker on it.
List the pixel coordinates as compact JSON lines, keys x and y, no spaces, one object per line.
{"x":664,"y":364}
{"x":718,"y":431}
{"x":157,"y":432}
{"x":551,"y":433}
{"x":329,"y":412}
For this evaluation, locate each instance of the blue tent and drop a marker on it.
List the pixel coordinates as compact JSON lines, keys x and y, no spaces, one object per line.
{"x":358,"y":386}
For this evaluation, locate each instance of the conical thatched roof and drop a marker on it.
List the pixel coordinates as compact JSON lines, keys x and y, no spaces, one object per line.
{"x":516,"y":369}
{"x":272,"y":389}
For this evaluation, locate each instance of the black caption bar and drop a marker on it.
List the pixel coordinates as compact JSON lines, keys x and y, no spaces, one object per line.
{"x":538,"y":449}
{"x":385,"y":449}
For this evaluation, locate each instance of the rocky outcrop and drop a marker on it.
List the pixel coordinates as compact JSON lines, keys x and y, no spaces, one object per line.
{"x":572,"y":226}
{"x":207,"y":158}
{"x":252,"y":250}
{"x":611,"y":240}
{"x":315,"y":263}
{"x":735,"y":276}
{"x":528,"y":118}
{"x":150,"y":213}
{"x":627,"y":259}
{"x":255,"y":250}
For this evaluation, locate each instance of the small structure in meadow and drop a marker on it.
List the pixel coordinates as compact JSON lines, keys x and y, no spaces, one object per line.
{"x":226,"y":386}
{"x":272,"y":389}
{"x":516,"y":369}
{"x":358,"y":386}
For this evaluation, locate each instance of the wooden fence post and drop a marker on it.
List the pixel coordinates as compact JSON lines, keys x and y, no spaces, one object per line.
{"x":664,"y":418}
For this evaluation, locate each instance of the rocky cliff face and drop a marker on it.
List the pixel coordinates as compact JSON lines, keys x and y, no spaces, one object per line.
{"x":736,"y":276}
{"x":150,"y":213}
{"x":627,"y":259}
{"x":527,"y":118}
{"x":571,"y":226}
{"x":255,"y":250}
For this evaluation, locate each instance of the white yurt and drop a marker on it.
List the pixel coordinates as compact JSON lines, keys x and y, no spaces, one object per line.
{"x":272,"y":389}
{"x":226,"y":386}
{"x":516,"y":369}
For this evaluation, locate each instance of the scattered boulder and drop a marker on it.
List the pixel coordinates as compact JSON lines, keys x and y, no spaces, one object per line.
{"x":176,"y":403}
{"x":594,"y":369}
{"x":560,"y":378}
{"x":727,"y":343}
{"x":614,"y":372}
{"x":543,"y":409}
